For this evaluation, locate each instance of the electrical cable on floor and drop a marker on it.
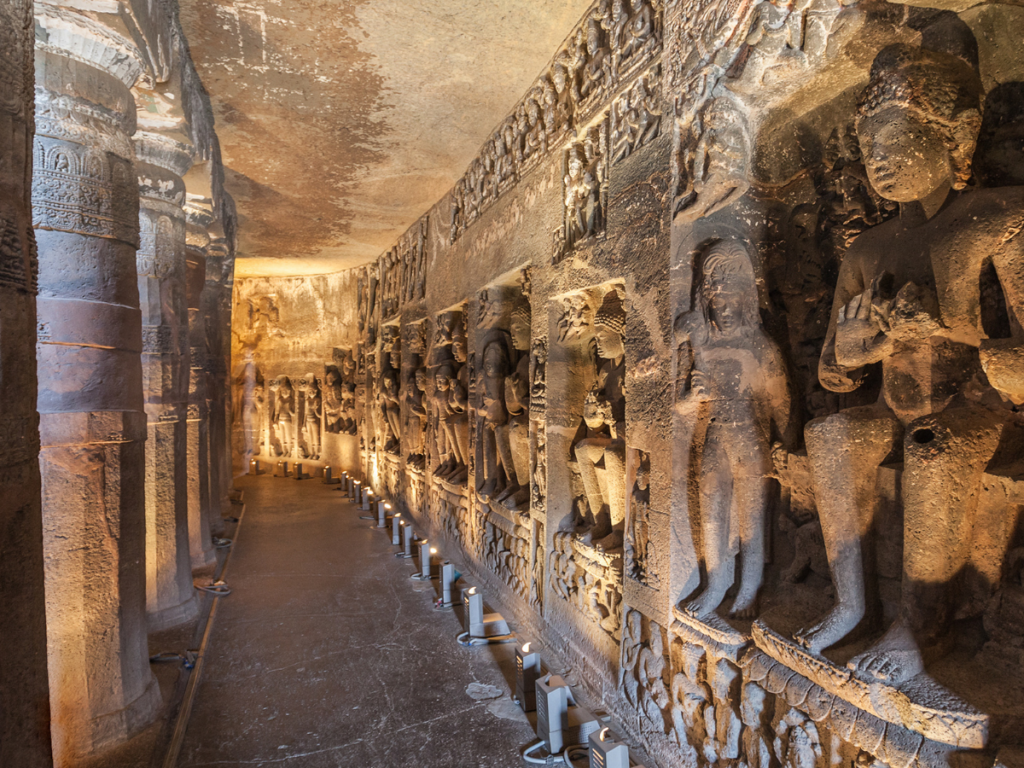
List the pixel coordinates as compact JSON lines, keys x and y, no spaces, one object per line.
{"x":497,"y":640}
{"x":188,"y":658}
{"x":221,"y":543}
{"x":217,"y":588}
{"x":562,"y":758}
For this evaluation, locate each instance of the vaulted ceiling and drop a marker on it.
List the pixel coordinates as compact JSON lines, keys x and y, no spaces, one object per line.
{"x":342,"y":121}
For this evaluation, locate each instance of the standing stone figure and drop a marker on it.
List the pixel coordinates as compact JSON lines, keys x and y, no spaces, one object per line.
{"x":284,"y":415}
{"x":458,"y":402}
{"x":604,"y":417}
{"x":917,"y":123}
{"x":333,"y":402}
{"x":514,"y":437}
{"x":312,"y":413}
{"x":738,"y":391}
{"x":493,"y":415}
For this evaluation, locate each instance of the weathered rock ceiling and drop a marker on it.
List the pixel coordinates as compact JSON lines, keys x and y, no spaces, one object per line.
{"x":342,"y":121}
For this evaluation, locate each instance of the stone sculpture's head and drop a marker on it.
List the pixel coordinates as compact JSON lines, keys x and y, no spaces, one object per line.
{"x":333,"y":378}
{"x":728,"y":292}
{"x":285,"y":385}
{"x":420,"y":378}
{"x":460,"y":347}
{"x":593,"y":38}
{"x":495,"y":360}
{"x":609,"y":320}
{"x":519,"y":327}
{"x":443,"y":377}
{"x":558,"y":77}
{"x":918,"y":122}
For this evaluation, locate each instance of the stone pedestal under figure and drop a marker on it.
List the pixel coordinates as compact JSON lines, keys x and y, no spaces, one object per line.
{"x":908,"y":297}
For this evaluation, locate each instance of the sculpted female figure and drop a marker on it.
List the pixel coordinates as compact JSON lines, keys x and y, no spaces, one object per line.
{"x":738,"y":385}
{"x":458,"y":402}
{"x":917,"y":123}
{"x":446,"y":442}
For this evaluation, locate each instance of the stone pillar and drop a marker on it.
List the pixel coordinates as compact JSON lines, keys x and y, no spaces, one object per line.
{"x":216,"y":302}
{"x":200,"y":543}
{"x":92,"y":422}
{"x":24,"y":688}
{"x":162,"y":161}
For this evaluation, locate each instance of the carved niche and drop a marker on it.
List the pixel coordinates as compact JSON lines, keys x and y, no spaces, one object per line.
{"x":389,"y":386}
{"x":585,"y":191}
{"x":587,"y":561}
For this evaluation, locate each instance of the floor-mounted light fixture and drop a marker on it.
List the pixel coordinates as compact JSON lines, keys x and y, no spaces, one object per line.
{"x":448,"y":578}
{"x":382,"y":512}
{"x":396,"y":529}
{"x":353,"y":491}
{"x":329,"y":478}
{"x":282,"y":469}
{"x":427,"y":553}
{"x":528,"y":669}
{"x":607,"y":750}
{"x":255,"y":468}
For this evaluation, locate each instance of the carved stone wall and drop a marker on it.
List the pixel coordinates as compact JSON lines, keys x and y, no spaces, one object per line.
{"x":713,"y":379}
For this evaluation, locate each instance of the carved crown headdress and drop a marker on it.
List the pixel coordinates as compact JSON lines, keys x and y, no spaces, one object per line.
{"x":611,"y":313}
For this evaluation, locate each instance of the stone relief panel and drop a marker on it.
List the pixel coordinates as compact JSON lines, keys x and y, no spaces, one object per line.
{"x":615,"y":42}
{"x":585,"y":187}
{"x":586,"y":564}
{"x":636,"y":116}
{"x":389,"y":385}
{"x":339,"y":394}
{"x":416,"y":398}
{"x":450,"y":399}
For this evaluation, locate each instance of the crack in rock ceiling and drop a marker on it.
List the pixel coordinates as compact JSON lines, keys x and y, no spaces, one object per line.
{"x":341,"y":122}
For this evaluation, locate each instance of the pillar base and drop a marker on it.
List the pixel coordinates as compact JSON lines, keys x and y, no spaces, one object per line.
{"x":117,"y":727}
{"x":204,"y":559}
{"x":175,"y":615}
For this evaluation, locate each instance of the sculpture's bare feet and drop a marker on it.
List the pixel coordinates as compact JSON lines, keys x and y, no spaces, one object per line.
{"x":707,"y":602}
{"x":458,"y":476}
{"x":894,"y":659}
{"x":487,"y":491}
{"x":835,"y":625}
{"x":744,"y":606}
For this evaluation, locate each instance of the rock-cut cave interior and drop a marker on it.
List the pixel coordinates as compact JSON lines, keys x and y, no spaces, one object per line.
{"x":464,"y":383}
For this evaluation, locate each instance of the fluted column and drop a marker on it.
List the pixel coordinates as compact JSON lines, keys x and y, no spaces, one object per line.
{"x":24,"y":688}
{"x":162,"y":161}
{"x":92,"y":422}
{"x":200,"y":542}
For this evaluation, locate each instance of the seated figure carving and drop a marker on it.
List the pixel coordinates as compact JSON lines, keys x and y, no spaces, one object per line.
{"x":908,"y":297}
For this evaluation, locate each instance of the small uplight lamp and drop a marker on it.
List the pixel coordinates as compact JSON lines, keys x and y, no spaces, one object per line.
{"x":382,"y":512}
{"x":528,"y":669}
{"x":407,"y":534}
{"x":448,"y":578}
{"x":396,"y":533}
{"x":425,"y":557}
{"x":367,"y":499}
{"x":354,"y":491}
{"x":607,"y":750}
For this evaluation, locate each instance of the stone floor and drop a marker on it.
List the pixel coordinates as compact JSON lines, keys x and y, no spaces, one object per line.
{"x":327,"y":654}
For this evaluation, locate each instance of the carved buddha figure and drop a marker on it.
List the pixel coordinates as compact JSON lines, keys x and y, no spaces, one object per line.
{"x":284,"y":414}
{"x":447,"y":445}
{"x":598,"y":62}
{"x":493,"y":415}
{"x":603,"y":449}
{"x":312,"y":411}
{"x":333,"y":402}
{"x":641,"y":27}
{"x":514,"y":436}
{"x":739,"y":392}
{"x":908,"y":297}
{"x":458,"y":401}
